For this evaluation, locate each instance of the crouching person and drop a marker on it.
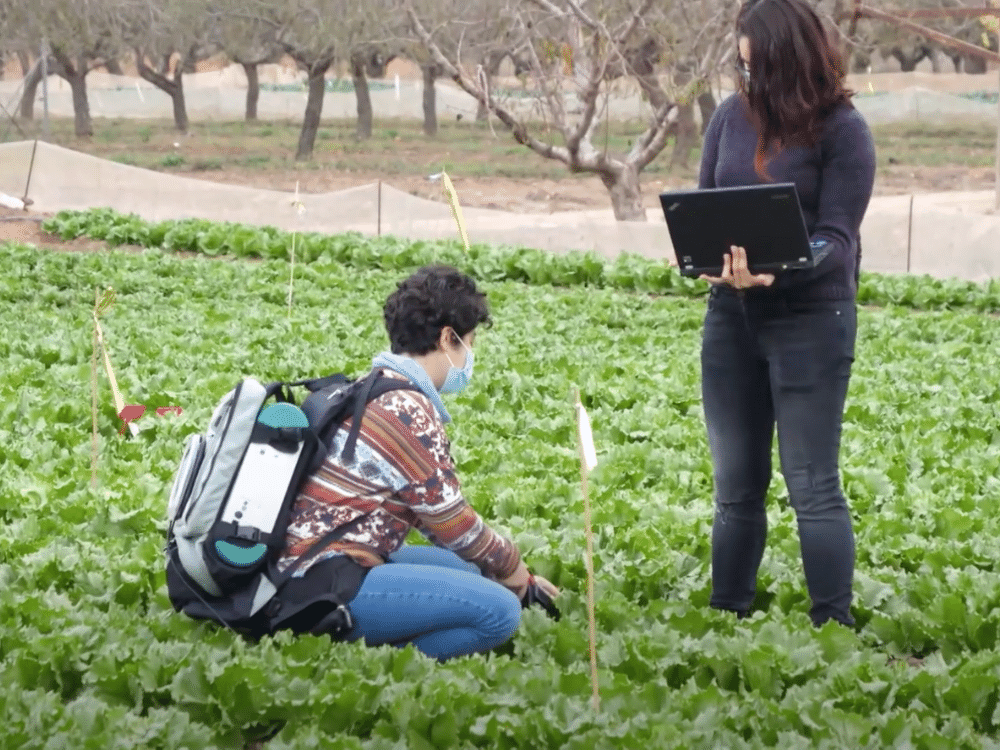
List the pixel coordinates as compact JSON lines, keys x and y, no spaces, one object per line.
{"x":464,"y":594}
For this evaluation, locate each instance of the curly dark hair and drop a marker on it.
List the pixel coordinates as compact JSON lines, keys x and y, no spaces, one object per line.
{"x":433,"y":298}
{"x":797,"y":74}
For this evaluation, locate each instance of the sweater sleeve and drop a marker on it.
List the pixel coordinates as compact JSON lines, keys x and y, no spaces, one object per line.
{"x":846,"y":183}
{"x":446,"y":519}
{"x":710,"y":150}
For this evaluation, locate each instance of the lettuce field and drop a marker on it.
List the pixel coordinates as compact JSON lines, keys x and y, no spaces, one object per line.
{"x":93,"y":656}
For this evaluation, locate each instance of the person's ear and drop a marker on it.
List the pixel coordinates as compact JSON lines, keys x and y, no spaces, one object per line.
{"x":445,"y":339}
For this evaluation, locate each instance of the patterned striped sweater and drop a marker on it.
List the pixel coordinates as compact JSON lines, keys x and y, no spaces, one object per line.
{"x":403,"y":477}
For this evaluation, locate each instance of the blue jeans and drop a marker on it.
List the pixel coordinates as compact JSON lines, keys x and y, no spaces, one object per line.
{"x":786,"y":364}
{"x":432,"y":598}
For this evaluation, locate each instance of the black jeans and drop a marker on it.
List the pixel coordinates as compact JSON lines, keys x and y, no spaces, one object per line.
{"x":766,"y":363}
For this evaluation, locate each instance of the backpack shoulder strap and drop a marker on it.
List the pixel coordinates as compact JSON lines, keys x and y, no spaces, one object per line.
{"x":317,"y":384}
{"x":280,"y":579}
{"x":373,"y":386}
{"x":346,"y":398}
{"x":280,"y":391}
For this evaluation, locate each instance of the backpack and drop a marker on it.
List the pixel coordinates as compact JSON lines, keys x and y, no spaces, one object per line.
{"x":231,"y":500}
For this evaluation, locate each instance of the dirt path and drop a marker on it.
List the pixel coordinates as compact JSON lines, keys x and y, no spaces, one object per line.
{"x":570,"y":194}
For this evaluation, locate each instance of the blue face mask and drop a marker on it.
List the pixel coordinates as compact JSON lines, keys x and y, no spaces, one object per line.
{"x":743,"y":70}
{"x":457,"y":379}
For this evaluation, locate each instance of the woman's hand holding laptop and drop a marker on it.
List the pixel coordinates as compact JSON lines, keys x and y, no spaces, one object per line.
{"x":736,"y":273}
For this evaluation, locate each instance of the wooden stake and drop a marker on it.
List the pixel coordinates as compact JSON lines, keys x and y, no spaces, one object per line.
{"x":456,"y":208}
{"x":997,"y":186}
{"x":93,"y":396}
{"x":291,"y":280}
{"x":119,"y":401}
{"x":299,"y":210}
{"x":101,"y":307}
{"x":583,"y":439}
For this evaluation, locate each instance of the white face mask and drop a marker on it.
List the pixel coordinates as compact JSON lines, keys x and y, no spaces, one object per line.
{"x":458,"y":378}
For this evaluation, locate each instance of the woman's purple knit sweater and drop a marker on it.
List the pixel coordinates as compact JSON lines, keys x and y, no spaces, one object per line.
{"x":834,"y":180}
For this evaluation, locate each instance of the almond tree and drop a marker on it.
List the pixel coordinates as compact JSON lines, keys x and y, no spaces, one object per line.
{"x":159,"y":30}
{"x":306,"y":30}
{"x":250,"y":42}
{"x":14,"y":40}
{"x":366,"y":33}
{"x":457,"y":26}
{"x":81,"y":34}
{"x":577,"y":48}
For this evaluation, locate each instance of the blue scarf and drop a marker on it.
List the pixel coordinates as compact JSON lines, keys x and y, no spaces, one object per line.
{"x":408,"y":367}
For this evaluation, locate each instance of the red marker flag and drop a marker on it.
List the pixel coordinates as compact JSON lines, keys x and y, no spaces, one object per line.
{"x":129,"y":413}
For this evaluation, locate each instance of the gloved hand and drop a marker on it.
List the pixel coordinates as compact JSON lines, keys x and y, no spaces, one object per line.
{"x":537,"y":594}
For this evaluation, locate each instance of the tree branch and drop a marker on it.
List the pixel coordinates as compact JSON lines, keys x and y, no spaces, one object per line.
{"x":634,"y":21}
{"x":586,"y":20}
{"x":589,"y":97}
{"x":554,"y":98}
{"x":520,"y":132}
{"x":651,"y":143}
{"x":547,"y":6}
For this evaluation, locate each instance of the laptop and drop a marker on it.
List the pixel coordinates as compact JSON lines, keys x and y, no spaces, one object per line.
{"x":767,"y":220}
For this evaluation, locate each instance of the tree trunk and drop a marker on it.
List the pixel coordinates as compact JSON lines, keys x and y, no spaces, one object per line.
{"x":114,"y":67}
{"x":31,"y":83}
{"x":907,"y":62}
{"x":860,"y":60}
{"x":25,"y":60}
{"x":377,"y":63}
{"x":173,"y":88}
{"x":364,"y":126}
{"x":76,"y":75}
{"x":82,"y":124}
{"x":626,"y":193}
{"x":686,"y":137}
{"x":707,"y":105}
{"x":430,"y":101}
{"x":253,"y":90}
{"x":314,"y":109}
{"x":180,"y":105}
{"x":975,"y":65}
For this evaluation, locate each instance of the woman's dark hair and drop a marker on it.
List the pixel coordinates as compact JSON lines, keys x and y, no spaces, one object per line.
{"x":796,"y":73}
{"x":433,"y":298}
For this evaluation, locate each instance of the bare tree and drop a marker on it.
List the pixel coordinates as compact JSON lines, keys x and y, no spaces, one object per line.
{"x":32,"y":80}
{"x":867,"y":38}
{"x":577,"y":49}
{"x":306,"y":31}
{"x":160,"y":31}
{"x":454,"y":23}
{"x":250,"y":42}
{"x":13,"y":38}
{"x":82,"y":35}
{"x":365,"y":32}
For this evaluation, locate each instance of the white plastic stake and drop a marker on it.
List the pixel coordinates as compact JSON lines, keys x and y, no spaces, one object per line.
{"x":588,"y":460}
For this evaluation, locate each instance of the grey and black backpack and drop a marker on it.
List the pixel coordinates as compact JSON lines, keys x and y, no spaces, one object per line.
{"x":231,"y":500}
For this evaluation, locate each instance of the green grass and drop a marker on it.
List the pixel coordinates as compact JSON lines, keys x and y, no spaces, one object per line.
{"x":926,"y":145}
{"x":399,"y":146}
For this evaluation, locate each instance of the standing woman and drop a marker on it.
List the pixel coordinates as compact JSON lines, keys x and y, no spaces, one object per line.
{"x":778,"y":349}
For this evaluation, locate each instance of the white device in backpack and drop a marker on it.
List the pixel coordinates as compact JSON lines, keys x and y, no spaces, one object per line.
{"x":216,"y":490}
{"x":233,"y":492}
